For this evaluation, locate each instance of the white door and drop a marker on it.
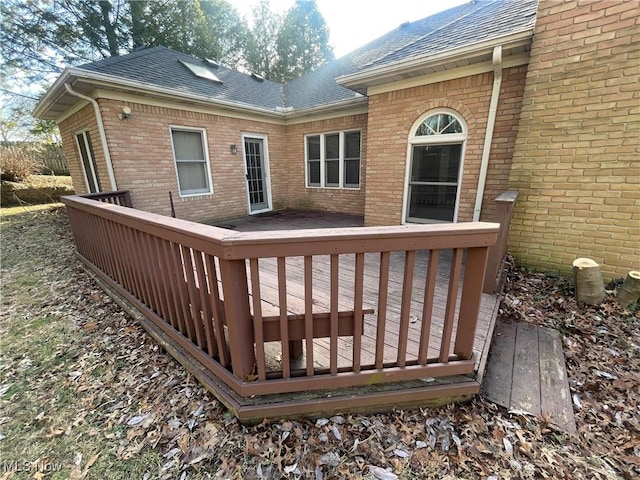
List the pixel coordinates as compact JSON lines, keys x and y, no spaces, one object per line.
{"x":256,"y":173}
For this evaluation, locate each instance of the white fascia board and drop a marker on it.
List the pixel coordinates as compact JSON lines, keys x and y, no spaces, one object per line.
{"x":444,"y":75}
{"x":351,"y":106}
{"x":52,"y":94}
{"x":142,"y":87}
{"x":110,"y":81}
{"x":440,"y":59}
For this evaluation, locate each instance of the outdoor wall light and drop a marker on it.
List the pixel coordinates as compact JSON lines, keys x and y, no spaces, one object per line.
{"x":125,"y":112}
{"x":233,"y":149}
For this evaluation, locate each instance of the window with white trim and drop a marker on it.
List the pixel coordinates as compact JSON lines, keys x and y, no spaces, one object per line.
{"x":192,"y":162}
{"x":435,"y":169}
{"x":333,"y":159}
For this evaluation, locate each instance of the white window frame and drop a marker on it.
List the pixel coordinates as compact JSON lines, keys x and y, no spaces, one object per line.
{"x":341,"y":161}
{"x":205,"y":149}
{"x":92,"y":161}
{"x":438,"y":139}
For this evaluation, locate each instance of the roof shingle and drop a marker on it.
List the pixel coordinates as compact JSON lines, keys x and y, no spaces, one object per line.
{"x":461,"y":26}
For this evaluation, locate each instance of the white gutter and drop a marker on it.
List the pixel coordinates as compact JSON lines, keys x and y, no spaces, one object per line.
{"x":103,"y":136}
{"x":488,"y":138}
{"x":453,"y":55}
{"x":107,"y":80}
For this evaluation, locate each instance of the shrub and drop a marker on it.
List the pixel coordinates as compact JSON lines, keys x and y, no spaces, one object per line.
{"x":17,"y":163}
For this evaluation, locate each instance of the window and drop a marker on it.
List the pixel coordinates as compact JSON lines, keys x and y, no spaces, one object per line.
{"x":439,"y":124}
{"x":313,"y":162}
{"x":89,"y":166}
{"x":192,"y":164}
{"x":201,"y":71}
{"x":333,"y":160}
{"x":433,"y":183}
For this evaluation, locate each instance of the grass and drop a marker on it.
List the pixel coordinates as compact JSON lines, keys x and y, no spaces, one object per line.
{"x":41,"y":345}
{"x":44,"y":181}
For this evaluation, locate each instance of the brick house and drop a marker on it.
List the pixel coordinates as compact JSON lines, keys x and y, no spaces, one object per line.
{"x":428,"y":123}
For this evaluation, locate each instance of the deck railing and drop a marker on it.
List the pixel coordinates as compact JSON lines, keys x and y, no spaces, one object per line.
{"x":505,"y":203}
{"x":117,"y":197}
{"x":214,"y":293}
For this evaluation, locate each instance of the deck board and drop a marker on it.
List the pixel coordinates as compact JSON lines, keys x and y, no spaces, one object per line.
{"x":525,"y":389}
{"x":322,"y":296}
{"x":497,"y":381}
{"x":526,"y":372}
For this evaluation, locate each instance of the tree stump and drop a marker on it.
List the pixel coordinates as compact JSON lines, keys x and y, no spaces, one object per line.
{"x":588,"y":281}
{"x":629,"y":291}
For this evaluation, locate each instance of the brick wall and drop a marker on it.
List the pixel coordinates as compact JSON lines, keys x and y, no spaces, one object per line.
{"x":142,"y":157}
{"x":392,"y":115}
{"x":82,"y":120}
{"x":349,"y":201}
{"x":576,"y":162}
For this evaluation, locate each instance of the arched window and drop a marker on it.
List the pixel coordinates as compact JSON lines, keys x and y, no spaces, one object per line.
{"x":439,"y":124}
{"x":435,"y":165}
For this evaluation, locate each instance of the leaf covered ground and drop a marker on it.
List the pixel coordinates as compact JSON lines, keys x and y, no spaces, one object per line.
{"x":87,"y":394}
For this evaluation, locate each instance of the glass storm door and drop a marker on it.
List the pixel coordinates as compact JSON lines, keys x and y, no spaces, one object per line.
{"x":256,"y":175}
{"x":433,"y":183}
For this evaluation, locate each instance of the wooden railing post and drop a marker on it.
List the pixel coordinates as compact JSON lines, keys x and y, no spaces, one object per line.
{"x":504,"y":211}
{"x":127,"y":199}
{"x":233,"y":274}
{"x":474,"y":269}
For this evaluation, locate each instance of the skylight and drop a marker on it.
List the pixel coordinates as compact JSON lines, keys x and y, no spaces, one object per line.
{"x":201,"y":71}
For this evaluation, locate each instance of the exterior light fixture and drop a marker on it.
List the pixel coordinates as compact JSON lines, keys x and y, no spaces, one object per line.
{"x":125,"y":112}
{"x":233,"y":149}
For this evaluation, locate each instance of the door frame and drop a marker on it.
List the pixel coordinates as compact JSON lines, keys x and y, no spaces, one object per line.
{"x":265,"y":165}
{"x":93,"y":164}
{"x":443,"y":139}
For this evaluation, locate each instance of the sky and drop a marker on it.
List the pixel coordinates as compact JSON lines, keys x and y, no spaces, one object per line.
{"x":354,"y":23}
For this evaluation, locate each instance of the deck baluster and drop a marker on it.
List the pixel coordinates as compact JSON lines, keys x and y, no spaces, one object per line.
{"x":452,"y":301}
{"x":258,"y":327}
{"x":383,"y":289}
{"x":405,"y":309}
{"x":308,"y":312}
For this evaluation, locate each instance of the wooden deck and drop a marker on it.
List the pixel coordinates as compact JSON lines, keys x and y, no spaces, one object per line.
{"x":245,"y":306}
{"x":526,"y":372}
{"x":293,"y":220}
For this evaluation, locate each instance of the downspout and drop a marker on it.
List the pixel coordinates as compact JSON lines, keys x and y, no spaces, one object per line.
{"x":488,"y":138}
{"x":103,"y":136}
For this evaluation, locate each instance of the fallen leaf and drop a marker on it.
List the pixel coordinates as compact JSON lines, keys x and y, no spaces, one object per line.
{"x":400,"y":453}
{"x":508,"y":447}
{"x":138,"y":419}
{"x":382,"y":474}
{"x":90,"y":326}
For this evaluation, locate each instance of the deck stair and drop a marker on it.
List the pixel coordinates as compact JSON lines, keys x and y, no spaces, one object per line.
{"x":526,"y":372}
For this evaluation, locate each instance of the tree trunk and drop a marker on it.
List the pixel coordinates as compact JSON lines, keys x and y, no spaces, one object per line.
{"x":629,"y":291}
{"x":109,"y":28}
{"x":588,"y":281}
{"x":136,"y":7}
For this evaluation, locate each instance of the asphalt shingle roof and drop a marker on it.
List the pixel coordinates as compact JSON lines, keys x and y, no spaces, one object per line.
{"x":161,"y":67}
{"x":457,"y":27}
